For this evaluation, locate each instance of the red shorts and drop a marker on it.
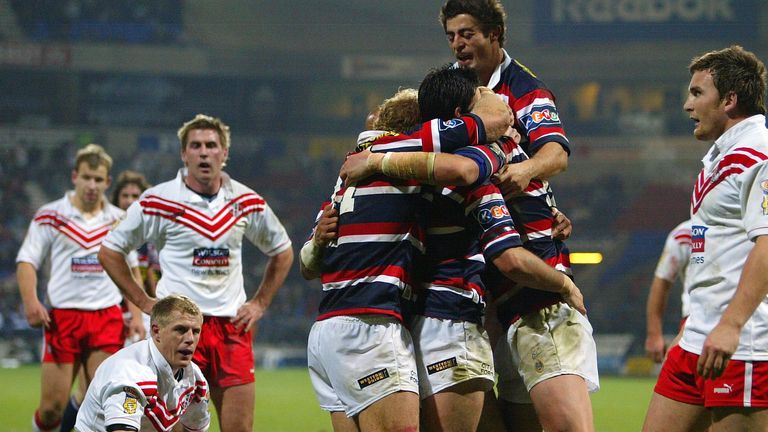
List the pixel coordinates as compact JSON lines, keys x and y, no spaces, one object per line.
{"x":744,"y":383}
{"x":224,"y":354}
{"x":73,"y":332}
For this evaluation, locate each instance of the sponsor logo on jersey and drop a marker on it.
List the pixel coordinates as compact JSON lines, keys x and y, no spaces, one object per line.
{"x":373,"y":378}
{"x":496,"y":212}
{"x":541,"y":116}
{"x":86,"y":265}
{"x":698,"y":238}
{"x":442,"y":365}
{"x":210,"y":257}
{"x":450,"y":124}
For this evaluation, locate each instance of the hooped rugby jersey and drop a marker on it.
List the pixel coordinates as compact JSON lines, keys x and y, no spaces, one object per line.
{"x":531,"y":212}
{"x":77,"y":280}
{"x":533,"y":103}
{"x":368,"y":268}
{"x":468,"y":226}
{"x":137,"y":387}
{"x":200,"y":242}
{"x":674,"y":258}
{"x":729,"y":210}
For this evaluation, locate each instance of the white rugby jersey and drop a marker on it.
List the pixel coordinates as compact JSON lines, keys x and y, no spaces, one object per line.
{"x":729,"y":209}
{"x":136,"y":387}
{"x":200,"y":242}
{"x":77,"y":280}
{"x":674,"y":258}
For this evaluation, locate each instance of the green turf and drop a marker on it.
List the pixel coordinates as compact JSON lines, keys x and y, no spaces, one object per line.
{"x":285,"y":402}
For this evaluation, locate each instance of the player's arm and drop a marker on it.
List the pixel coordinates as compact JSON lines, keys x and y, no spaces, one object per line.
{"x":654,"y":313}
{"x":275,"y":272}
{"x":723,"y":341}
{"x":550,"y":160}
{"x":525,"y":268}
{"x":117,"y":268}
{"x":35,"y":312}
{"x":136,"y":326}
{"x":311,"y":255}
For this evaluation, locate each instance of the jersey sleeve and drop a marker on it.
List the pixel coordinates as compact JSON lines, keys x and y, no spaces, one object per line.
{"x":754,"y":200}
{"x":38,"y":240}
{"x":674,"y":257}
{"x":447,"y":136}
{"x":539,"y":119}
{"x":132,"y":231}
{"x":123,"y":404}
{"x":485,"y":206}
{"x":267,"y":232}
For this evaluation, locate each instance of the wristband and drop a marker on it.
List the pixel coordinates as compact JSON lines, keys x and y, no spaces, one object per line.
{"x":311,"y":256}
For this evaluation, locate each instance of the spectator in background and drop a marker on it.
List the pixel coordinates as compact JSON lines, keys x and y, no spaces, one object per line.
{"x":717,"y":372}
{"x":85,"y":323}
{"x":198,"y":221}
{"x":671,"y":266}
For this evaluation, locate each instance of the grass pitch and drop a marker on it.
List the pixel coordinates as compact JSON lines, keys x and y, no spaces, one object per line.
{"x":285,"y":402}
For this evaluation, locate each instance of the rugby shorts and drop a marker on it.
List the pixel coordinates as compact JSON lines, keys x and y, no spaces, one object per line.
{"x":555,"y":340}
{"x":449,"y":352}
{"x":743,"y":384}
{"x":224,"y":353}
{"x":74,"y":331}
{"x":355,"y":361}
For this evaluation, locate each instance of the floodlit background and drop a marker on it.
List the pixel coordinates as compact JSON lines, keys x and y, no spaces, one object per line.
{"x":295,"y":80}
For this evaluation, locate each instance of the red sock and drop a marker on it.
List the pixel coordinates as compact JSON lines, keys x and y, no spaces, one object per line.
{"x":38,"y":426}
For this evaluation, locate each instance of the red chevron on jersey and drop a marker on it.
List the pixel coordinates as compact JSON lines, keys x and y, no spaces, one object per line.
{"x":210,"y":227}
{"x":161,"y":417}
{"x":733,"y":163}
{"x":86,"y":239}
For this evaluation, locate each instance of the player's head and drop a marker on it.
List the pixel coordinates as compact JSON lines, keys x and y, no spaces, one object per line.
{"x":204,"y":149}
{"x":447,"y":92}
{"x":128,"y":188}
{"x":475,"y":32}
{"x":175,"y":323}
{"x":90,"y":175}
{"x":400,"y":113}
{"x":726,"y":85}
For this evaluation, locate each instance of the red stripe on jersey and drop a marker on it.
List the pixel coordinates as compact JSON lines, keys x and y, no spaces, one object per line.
{"x":69,"y":228}
{"x":427,"y":145}
{"x":538,"y":225}
{"x":359,"y":311}
{"x":683,"y":238}
{"x":347,"y":275}
{"x":733,"y":163}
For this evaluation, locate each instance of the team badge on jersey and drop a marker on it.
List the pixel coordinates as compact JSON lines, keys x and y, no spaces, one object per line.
{"x":130,"y":404}
{"x":450,"y":124}
{"x":698,"y":238}
{"x":764,"y":204}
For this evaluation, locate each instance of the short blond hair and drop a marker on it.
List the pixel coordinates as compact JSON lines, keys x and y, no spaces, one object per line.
{"x":163,"y":310}
{"x":400,"y":113}
{"x":202,"y":121}
{"x":94,"y":155}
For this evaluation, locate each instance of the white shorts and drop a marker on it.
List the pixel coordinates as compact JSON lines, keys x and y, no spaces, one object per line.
{"x":449,"y":352}
{"x":556,"y":340}
{"x":355,"y":361}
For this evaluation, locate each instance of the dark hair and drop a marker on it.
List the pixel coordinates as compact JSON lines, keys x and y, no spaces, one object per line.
{"x":444,"y":89}
{"x":126,"y":178}
{"x":736,"y":70}
{"x":488,"y":13}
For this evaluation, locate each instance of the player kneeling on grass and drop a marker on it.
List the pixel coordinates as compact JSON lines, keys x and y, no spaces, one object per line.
{"x":152,"y":384}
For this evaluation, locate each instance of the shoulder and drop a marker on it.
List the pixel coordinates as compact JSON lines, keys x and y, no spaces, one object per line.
{"x":521,"y":79}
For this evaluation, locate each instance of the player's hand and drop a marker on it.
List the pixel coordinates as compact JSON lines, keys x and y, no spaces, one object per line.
{"x":356,"y":167}
{"x":572,"y":295}
{"x":718,"y":348}
{"x":561,"y":227}
{"x":514,"y":178}
{"x":655,"y":347}
{"x":327,"y":226}
{"x":248,"y":315}
{"x":37,"y":315}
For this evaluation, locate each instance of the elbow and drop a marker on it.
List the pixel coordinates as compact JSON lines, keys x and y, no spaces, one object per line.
{"x":509,"y":263}
{"x":465,"y":173}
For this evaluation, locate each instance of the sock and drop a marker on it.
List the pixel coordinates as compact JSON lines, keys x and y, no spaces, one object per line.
{"x":70,"y":415}
{"x":38,"y":426}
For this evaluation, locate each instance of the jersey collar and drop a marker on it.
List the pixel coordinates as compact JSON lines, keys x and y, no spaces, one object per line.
{"x":496,"y":76}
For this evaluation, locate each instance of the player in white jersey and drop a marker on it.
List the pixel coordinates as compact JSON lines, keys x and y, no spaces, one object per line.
{"x":152,"y":384}
{"x":85,"y":324}
{"x":719,"y":370}
{"x":671,"y":266}
{"x":197,"y":222}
